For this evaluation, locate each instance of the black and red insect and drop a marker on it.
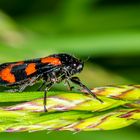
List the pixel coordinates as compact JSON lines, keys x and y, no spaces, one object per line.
{"x":51,"y":69}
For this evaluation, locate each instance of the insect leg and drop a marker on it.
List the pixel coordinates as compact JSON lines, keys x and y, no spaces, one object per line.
{"x":23,"y":86}
{"x":48,"y":86}
{"x":69,"y":86}
{"x":30,"y":83}
{"x":42,"y":85}
{"x":77,"y":81}
{"x":19,"y":88}
{"x":12,"y":90}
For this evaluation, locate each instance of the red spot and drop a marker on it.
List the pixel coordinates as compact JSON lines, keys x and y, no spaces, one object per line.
{"x":6,"y":75}
{"x":30,"y":69}
{"x":51,"y":60}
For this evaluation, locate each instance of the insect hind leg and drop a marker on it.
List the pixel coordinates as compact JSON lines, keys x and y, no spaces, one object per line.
{"x":12,"y":90}
{"x":19,"y":89}
{"x":22,"y":87}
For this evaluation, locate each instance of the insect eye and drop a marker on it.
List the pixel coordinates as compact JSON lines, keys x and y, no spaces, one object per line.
{"x":74,"y":65}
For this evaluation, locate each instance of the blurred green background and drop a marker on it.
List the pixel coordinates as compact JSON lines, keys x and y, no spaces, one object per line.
{"x":104,"y":33}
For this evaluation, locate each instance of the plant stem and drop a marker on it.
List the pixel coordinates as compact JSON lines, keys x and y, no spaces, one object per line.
{"x":71,"y":111}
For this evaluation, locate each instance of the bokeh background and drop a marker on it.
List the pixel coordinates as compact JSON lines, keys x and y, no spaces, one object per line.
{"x":103,"y":33}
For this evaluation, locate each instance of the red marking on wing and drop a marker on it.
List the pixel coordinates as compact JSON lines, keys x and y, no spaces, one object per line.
{"x":30,"y":69}
{"x":51,"y":60}
{"x":6,"y":75}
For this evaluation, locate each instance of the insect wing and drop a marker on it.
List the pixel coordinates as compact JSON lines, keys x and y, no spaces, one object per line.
{"x":18,"y":72}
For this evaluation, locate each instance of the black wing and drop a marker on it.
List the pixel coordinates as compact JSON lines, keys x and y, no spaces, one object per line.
{"x":24,"y":71}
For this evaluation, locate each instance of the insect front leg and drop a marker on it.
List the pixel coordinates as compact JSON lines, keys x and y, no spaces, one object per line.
{"x":77,"y":81}
{"x":69,"y":86}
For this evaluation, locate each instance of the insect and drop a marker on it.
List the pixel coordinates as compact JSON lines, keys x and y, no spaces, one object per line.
{"x":51,"y":69}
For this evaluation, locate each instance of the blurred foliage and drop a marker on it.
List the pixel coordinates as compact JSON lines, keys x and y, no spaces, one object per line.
{"x":9,"y":33}
{"x":105,"y":31}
